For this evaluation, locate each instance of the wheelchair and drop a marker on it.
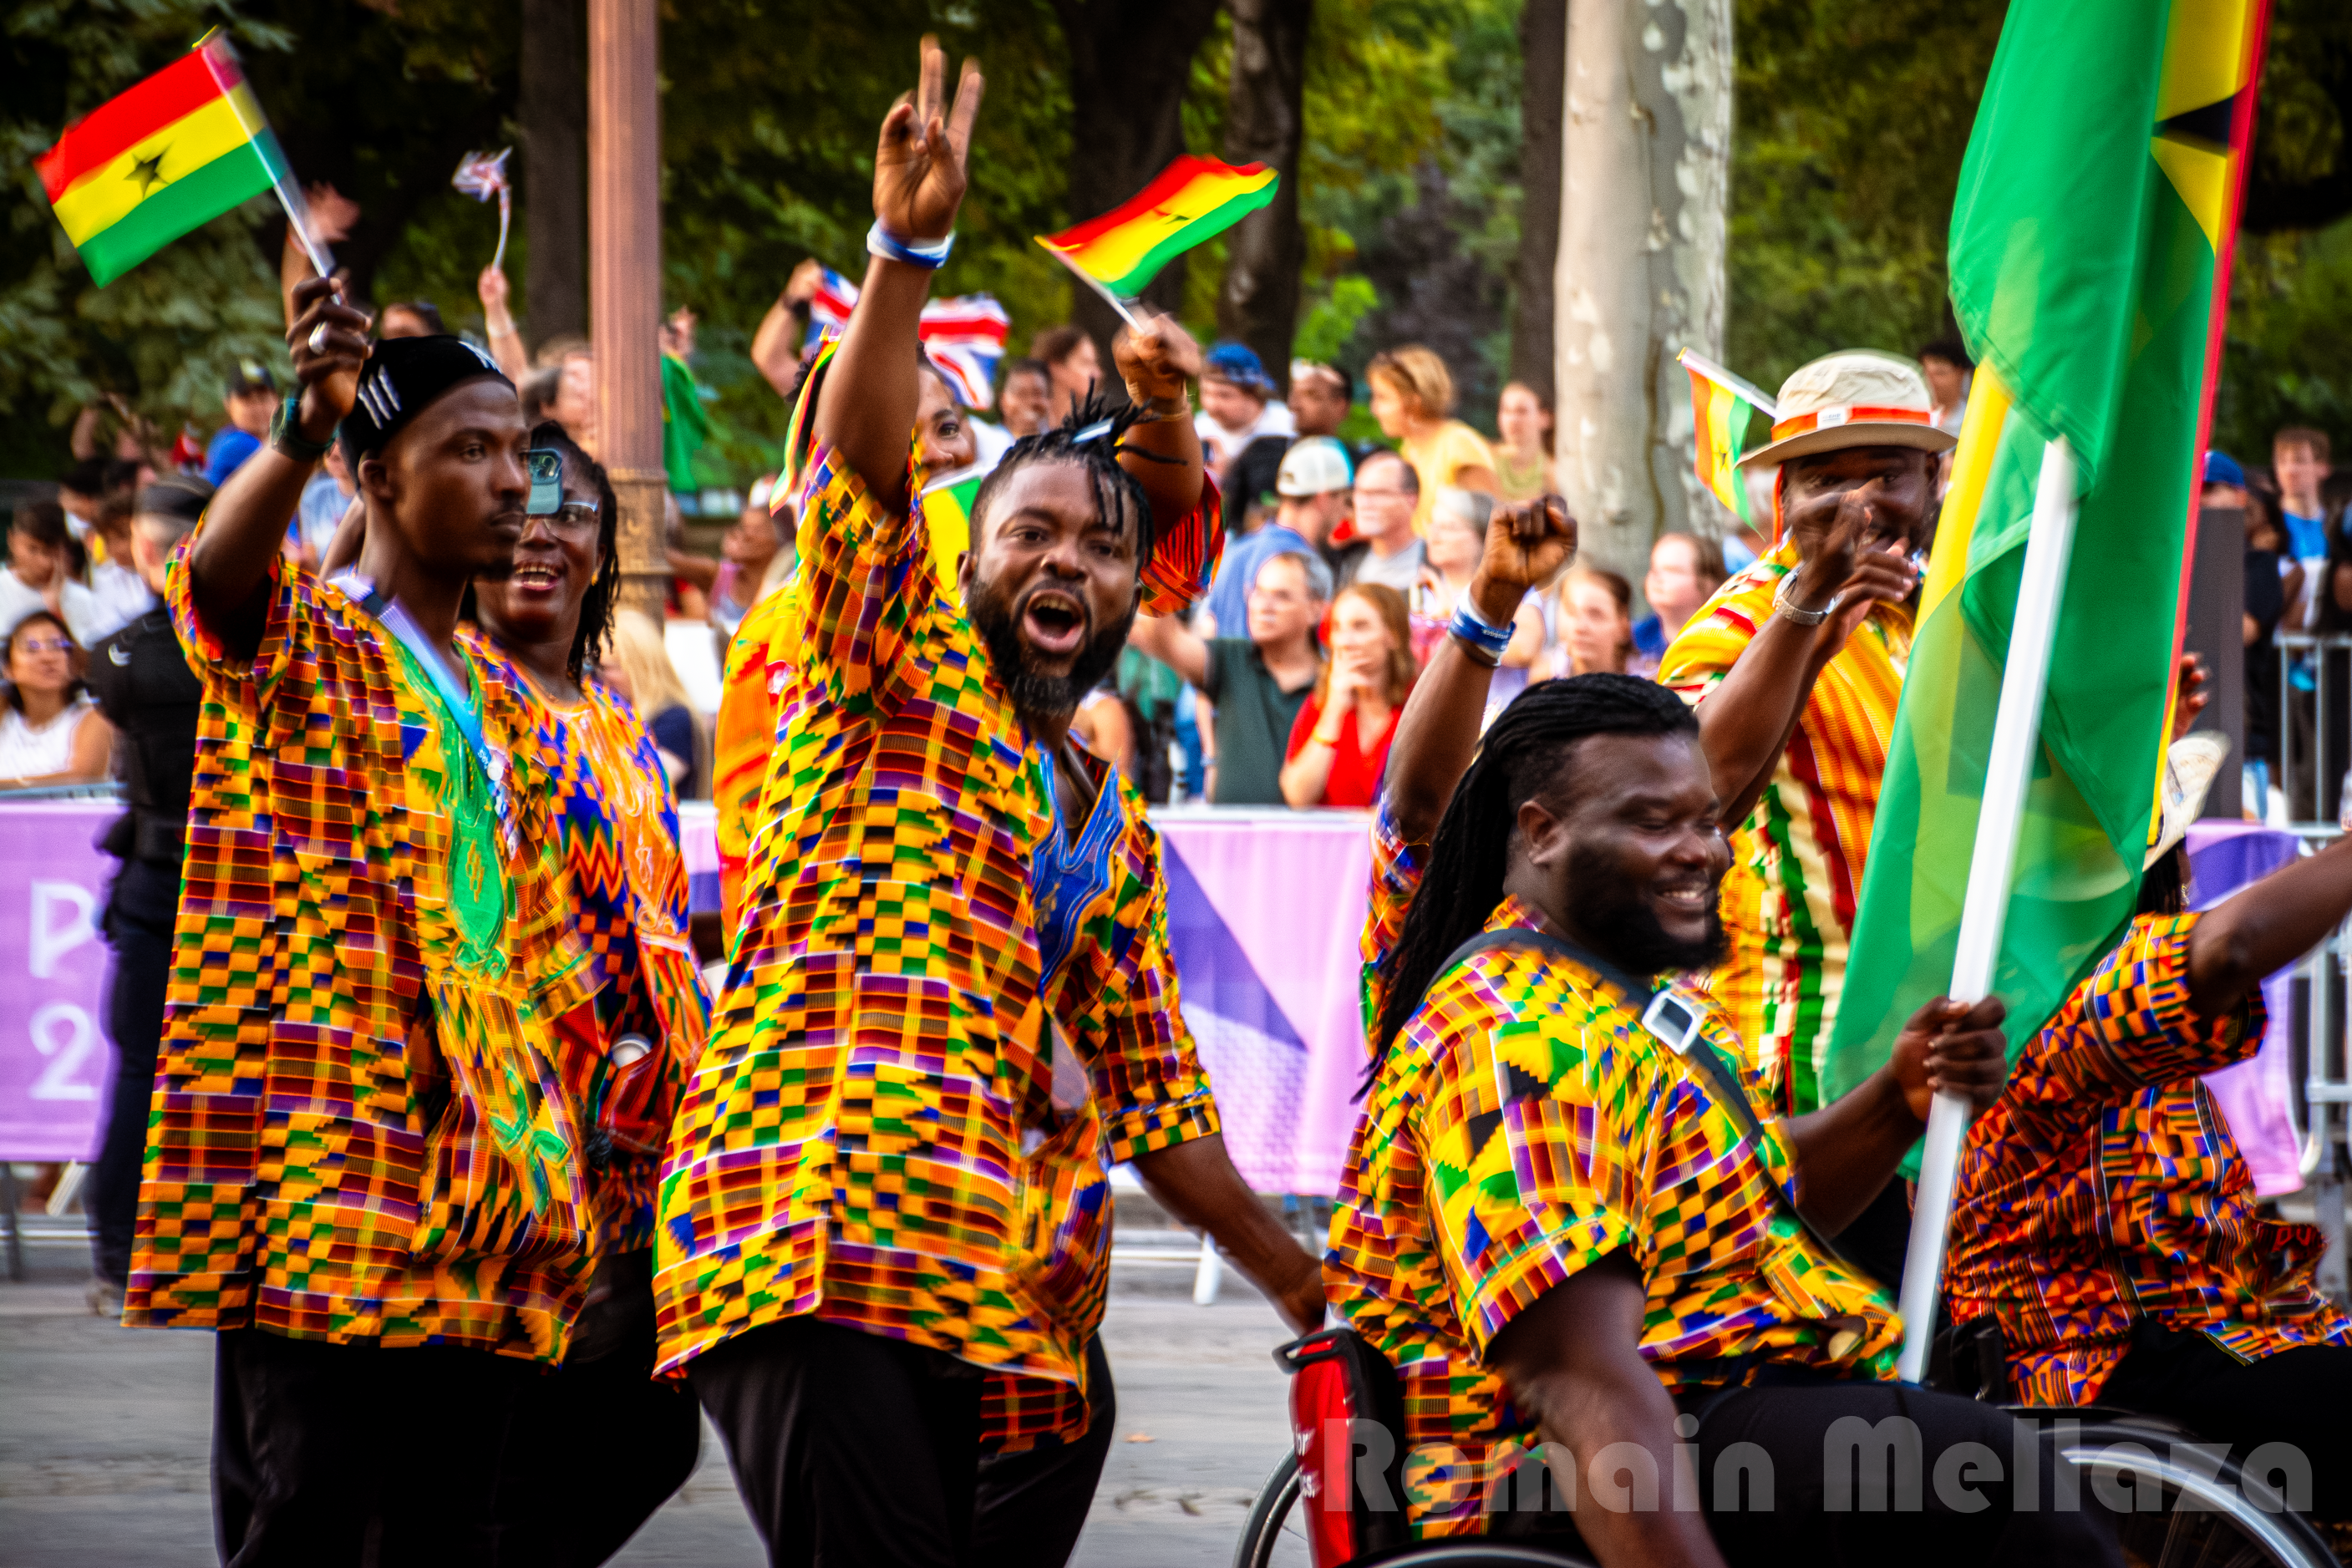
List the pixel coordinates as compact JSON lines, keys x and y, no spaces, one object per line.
{"x":2197,"y":1512}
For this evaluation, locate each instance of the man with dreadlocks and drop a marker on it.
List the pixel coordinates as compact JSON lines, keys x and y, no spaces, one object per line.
{"x":1570,"y":1214}
{"x":882,"y":1242}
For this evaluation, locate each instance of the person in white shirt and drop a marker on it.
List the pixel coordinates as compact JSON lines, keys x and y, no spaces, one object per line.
{"x":122,"y":595}
{"x":50,"y":732}
{"x":1237,"y":405}
{"x":40,"y":571}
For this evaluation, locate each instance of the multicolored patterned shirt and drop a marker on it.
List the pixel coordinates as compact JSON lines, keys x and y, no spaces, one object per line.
{"x":1525,"y":1126}
{"x":361,"y":1131}
{"x":619,"y":825}
{"x":2104,"y":1186}
{"x":759,"y":662}
{"x":1797,"y":861}
{"x":905,"y":1119}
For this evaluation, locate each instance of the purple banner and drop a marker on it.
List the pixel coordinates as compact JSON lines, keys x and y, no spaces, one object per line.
{"x":53,"y":1055}
{"x":1263,"y":914}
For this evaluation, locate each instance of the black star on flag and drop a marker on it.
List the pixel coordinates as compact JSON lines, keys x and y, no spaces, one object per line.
{"x":149,"y":172}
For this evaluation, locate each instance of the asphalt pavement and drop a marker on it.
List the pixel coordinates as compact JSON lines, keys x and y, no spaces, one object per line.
{"x":105,"y":1433}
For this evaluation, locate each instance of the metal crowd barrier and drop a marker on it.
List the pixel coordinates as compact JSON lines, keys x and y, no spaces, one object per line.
{"x":2315,"y":735}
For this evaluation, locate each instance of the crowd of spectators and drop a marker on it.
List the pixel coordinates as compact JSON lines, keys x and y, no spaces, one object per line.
{"x":1345,"y":553}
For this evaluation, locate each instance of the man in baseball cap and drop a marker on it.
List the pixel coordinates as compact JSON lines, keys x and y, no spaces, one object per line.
{"x":249,"y":396}
{"x":1795,"y":666}
{"x":1311,"y":494}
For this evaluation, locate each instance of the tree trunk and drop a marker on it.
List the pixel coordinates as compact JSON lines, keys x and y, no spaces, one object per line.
{"x":1264,"y":121}
{"x":1129,"y":65}
{"x":1543,"y":53}
{"x":554,"y":115}
{"x":1645,"y":160}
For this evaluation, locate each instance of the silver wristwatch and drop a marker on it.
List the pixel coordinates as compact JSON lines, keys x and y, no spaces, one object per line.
{"x":1787,"y":608}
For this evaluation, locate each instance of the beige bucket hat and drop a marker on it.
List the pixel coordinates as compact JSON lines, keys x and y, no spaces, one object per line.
{"x":2190,"y":764}
{"x":1857,"y":398}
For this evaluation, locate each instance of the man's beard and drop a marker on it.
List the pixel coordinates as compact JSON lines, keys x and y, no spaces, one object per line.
{"x":1606,"y":901}
{"x":1032,"y":691}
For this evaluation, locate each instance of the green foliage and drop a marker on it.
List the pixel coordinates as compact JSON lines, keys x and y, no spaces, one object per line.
{"x":1326,"y":328}
{"x":2288,"y":356}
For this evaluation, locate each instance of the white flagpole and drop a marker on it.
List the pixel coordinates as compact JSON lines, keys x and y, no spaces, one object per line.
{"x":2009,"y":772}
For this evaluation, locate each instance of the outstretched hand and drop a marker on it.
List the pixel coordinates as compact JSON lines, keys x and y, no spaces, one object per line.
{"x":1949,"y":1048}
{"x":1157,"y":361}
{"x":919,"y":169}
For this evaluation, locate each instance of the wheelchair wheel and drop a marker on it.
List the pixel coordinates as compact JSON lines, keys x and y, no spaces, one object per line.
{"x":1274,"y":1538}
{"x":2179,"y":1514}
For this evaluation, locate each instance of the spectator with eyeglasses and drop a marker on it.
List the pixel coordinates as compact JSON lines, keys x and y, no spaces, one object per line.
{"x":50,"y":732}
{"x":1385,"y":549}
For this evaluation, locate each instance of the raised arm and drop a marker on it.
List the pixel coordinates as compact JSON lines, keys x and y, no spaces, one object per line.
{"x":499,"y":322}
{"x":1174,"y":645}
{"x":867,"y":410}
{"x":230,"y":558}
{"x":1157,"y":364}
{"x":1746,"y":722}
{"x":1527,"y":547}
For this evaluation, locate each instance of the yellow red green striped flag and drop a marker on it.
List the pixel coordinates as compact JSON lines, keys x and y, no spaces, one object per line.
{"x":1720,"y":405}
{"x":170,"y":154}
{"x":1192,"y":200}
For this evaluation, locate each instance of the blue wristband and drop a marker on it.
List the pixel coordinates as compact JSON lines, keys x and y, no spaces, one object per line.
{"x":881,"y":242}
{"x":1468,"y":625}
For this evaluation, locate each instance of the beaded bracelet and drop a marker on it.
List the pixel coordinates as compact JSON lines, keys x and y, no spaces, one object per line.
{"x":932,"y":254}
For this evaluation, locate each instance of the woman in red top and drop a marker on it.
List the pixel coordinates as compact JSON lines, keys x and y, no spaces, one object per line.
{"x":1339,"y":743}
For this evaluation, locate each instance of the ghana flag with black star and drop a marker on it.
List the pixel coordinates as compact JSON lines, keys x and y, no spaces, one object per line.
{"x":173,"y":152}
{"x":2090,"y":264}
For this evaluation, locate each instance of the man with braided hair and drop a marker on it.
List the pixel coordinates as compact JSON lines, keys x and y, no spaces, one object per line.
{"x":949,"y":1006}
{"x":1573,"y":1218}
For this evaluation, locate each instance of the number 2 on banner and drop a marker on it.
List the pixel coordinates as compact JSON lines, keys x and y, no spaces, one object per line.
{"x":66,"y":1056}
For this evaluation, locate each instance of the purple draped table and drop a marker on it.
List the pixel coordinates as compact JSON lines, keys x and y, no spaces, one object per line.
{"x":2257,"y":1097}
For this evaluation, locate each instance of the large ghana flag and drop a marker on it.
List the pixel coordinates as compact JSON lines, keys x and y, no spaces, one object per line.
{"x":1192,"y":200}
{"x":2090,"y":255}
{"x":173,"y":152}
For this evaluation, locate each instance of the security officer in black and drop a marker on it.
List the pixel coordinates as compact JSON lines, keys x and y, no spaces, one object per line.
{"x":144,"y":686}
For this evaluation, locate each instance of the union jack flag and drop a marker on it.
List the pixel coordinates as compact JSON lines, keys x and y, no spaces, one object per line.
{"x":964,"y":336}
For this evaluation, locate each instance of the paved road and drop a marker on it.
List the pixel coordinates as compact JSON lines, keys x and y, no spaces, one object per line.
{"x":104,"y":1433}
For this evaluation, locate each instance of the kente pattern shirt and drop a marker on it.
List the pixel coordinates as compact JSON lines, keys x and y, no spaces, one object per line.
{"x":628,"y":904}
{"x":2104,"y":1186}
{"x":1797,"y":861}
{"x":905,"y":1119}
{"x":360,"y":1130}
{"x":759,"y":662}
{"x":1465,"y":1200}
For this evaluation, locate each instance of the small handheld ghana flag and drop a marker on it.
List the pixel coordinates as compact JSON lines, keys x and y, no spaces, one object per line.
{"x":946,"y":512}
{"x":171,"y":155}
{"x":1720,"y":404}
{"x":1192,"y":200}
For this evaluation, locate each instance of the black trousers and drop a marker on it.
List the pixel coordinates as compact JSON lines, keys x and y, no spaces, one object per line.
{"x":326,"y":1454}
{"x":1836,"y":1503}
{"x":2296,"y":1397}
{"x":1807,"y":1472}
{"x":332,"y":1454}
{"x":599,"y":1444}
{"x":852,"y":1449}
{"x":139,"y":926}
